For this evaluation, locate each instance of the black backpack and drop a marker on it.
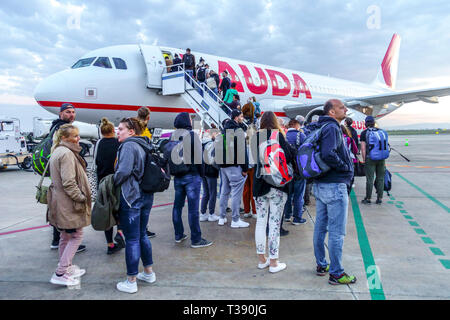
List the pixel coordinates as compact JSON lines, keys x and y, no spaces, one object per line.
{"x":188,"y":60}
{"x":41,"y":154}
{"x":175,"y":169}
{"x":156,"y":176}
{"x":201,"y":74}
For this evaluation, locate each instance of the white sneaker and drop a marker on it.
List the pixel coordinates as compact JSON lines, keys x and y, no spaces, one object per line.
{"x":255,"y":216}
{"x":203,"y":217}
{"x":239,"y":224}
{"x":264,"y":265}
{"x":64,"y":280}
{"x":75,"y":272}
{"x":247,"y":215}
{"x":222,"y":221}
{"x":213,"y":217}
{"x":278,"y":268}
{"x":150,"y":278}
{"x":128,"y":287}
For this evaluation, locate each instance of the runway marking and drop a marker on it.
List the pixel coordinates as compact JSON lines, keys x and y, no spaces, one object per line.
{"x":22,"y":230}
{"x":377,"y":292}
{"x":440,"y":204}
{"x":427,"y":240}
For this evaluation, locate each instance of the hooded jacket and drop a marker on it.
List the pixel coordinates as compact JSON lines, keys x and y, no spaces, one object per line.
{"x":69,"y":194}
{"x":334,"y":153}
{"x":233,"y":125}
{"x":130,"y":167}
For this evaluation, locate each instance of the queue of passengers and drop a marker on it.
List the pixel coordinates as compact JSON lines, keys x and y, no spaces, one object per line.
{"x":123,"y":159}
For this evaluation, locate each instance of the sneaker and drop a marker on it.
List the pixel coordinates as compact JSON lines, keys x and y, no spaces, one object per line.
{"x":247,"y":215}
{"x":366,"y":201}
{"x":264,"y":265}
{"x":321,"y":271}
{"x":343,"y":279}
{"x":222,"y":221}
{"x":54,"y":245}
{"x":64,"y":280}
{"x":184,"y":237}
{"x":203,"y":217}
{"x":239,"y":224}
{"x":379,"y":201}
{"x":297,"y":221}
{"x":114,"y":249}
{"x":128,"y":287}
{"x":241,"y":210}
{"x":202,"y":243}
{"x":81,"y":248}
{"x":75,"y":272}
{"x":150,"y":278}
{"x":150,"y":234}
{"x":283,"y":232}
{"x":213,"y":217}
{"x":278,"y":268}
{"x":120,"y":240}
{"x":287,"y":219}
{"x":254,"y":216}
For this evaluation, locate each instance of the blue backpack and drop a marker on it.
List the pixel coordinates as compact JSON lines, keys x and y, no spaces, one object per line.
{"x":377,"y":141}
{"x":309,"y":163}
{"x":387,"y":182}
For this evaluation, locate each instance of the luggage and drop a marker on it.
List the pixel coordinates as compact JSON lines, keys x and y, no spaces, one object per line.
{"x":387,"y":182}
{"x":201,"y":74}
{"x":156,"y":176}
{"x":41,"y":154}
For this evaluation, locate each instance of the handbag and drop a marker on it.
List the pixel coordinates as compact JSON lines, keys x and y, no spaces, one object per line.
{"x":360,"y":169}
{"x":92,"y":175}
{"x":41,"y":192}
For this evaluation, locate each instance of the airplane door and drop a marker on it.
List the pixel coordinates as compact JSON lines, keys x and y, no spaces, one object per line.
{"x":155,"y":65}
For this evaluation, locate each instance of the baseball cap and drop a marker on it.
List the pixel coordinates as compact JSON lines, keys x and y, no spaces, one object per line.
{"x":369,"y":119}
{"x":66,"y":106}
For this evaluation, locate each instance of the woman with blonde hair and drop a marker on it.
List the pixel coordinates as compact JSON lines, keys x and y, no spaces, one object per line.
{"x":69,"y":201}
{"x":270,"y":197}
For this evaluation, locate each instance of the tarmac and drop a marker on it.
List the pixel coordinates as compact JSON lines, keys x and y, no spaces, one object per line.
{"x":397,"y":250}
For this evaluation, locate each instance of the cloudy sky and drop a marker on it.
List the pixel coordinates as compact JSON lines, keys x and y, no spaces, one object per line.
{"x":345,"y":39}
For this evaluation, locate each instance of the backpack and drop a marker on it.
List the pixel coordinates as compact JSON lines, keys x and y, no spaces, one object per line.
{"x":188,"y":60}
{"x":309,"y":162}
{"x":212,"y":84}
{"x":201,"y":74}
{"x":41,"y":154}
{"x":181,"y":168}
{"x":387,"y":182}
{"x":377,"y":141}
{"x":275,"y":170}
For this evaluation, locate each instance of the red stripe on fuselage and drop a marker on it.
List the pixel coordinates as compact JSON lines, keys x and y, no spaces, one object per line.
{"x":95,"y":106}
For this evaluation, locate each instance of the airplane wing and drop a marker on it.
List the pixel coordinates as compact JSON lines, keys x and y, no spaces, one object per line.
{"x":425,"y":95}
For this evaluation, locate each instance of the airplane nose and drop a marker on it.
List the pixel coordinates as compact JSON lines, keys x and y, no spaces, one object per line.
{"x":51,"y":89}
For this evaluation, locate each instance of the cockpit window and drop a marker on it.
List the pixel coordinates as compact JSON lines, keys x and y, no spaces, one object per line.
{"x":103,"y":62}
{"x":120,"y":63}
{"x":86,"y":62}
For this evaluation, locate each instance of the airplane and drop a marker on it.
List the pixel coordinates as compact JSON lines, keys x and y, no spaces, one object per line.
{"x":115,"y":81}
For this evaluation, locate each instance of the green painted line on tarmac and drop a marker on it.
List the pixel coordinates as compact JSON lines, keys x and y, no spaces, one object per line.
{"x":440,"y":204}
{"x":403,"y":211}
{"x":377,"y":292}
{"x":390,"y":202}
{"x":392,"y":198}
{"x":420,"y":231}
{"x":427,"y":240}
{"x":399,"y":206}
{"x":409,"y":217}
{"x":437,"y":251}
{"x":413,"y":223}
{"x":400,"y":202}
{"x":445,"y":263}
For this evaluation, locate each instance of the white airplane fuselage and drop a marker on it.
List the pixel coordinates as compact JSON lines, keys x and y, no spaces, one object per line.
{"x":115,"y":93}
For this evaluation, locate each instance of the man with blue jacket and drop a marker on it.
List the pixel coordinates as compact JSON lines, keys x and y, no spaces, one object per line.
{"x":330,"y":191}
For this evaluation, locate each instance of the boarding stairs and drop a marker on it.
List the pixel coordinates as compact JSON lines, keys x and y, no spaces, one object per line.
{"x":208,"y":106}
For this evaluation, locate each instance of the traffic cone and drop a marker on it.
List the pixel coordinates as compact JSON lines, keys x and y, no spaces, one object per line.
{"x":406,"y":143}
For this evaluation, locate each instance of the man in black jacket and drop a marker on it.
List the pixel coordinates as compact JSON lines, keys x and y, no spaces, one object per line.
{"x":330,"y":190}
{"x":67,"y":115}
{"x":233,"y":169}
{"x":176,"y":61}
{"x":225,"y":84}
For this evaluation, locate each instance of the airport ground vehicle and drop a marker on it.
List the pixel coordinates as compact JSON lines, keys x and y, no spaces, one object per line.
{"x":13,"y":146}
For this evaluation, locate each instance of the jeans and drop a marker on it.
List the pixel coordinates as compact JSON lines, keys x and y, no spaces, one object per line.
{"x":331,"y":216}
{"x":187,"y":185}
{"x":233,"y":184}
{"x":191,"y":73}
{"x":295,"y":197}
{"x":209,"y":195}
{"x":133,"y":222}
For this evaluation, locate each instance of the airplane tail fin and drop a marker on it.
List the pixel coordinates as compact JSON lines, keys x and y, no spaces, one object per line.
{"x":387,"y":74}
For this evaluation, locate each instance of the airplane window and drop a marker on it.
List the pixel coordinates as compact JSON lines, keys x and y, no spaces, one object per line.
{"x":103,"y":62}
{"x":83,"y":63}
{"x":120,"y":63}
{"x":7,"y":126}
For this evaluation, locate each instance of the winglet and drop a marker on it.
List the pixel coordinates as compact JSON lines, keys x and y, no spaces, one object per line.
{"x":387,"y":75}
